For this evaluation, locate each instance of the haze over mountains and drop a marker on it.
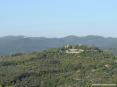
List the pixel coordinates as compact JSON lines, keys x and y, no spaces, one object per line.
{"x":19,"y":44}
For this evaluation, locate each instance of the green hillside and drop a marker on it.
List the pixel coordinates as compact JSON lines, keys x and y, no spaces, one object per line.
{"x":56,"y":68}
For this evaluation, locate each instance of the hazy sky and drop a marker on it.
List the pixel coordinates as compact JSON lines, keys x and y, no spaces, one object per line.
{"x":57,"y":18}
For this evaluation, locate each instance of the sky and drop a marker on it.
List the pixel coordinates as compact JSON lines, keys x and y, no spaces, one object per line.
{"x":58,"y":18}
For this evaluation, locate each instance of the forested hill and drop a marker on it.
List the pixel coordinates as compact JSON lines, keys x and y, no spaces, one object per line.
{"x":19,"y":44}
{"x":56,"y":68}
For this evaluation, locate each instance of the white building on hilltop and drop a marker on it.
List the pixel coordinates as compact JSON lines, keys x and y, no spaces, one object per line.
{"x":74,"y":51}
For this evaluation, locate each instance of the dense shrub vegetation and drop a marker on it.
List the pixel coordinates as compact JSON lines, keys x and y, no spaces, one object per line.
{"x":55,"y":68}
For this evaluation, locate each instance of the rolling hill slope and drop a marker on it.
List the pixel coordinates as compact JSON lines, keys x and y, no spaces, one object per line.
{"x":55,"y":68}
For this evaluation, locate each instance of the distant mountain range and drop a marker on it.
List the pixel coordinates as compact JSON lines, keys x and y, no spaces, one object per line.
{"x":19,"y":44}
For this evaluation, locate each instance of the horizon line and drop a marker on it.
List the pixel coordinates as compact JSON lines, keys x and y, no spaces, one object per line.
{"x":26,"y":36}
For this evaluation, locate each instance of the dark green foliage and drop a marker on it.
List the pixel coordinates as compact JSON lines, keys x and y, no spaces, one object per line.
{"x":55,"y":68}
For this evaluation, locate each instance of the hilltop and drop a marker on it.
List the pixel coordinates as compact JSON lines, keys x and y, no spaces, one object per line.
{"x":22,"y":44}
{"x":56,"y":68}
